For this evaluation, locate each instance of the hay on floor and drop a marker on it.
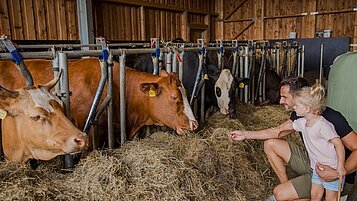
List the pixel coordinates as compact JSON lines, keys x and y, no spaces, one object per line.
{"x":197,"y":166}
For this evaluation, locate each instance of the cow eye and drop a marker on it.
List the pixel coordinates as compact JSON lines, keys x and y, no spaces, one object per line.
{"x":37,"y":118}
{"x":218,"y":92}
{"x":174,"y":98}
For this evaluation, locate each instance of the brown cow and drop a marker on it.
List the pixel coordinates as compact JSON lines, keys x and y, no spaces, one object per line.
{"x":34,"y":125}
{"x":168,"y":107}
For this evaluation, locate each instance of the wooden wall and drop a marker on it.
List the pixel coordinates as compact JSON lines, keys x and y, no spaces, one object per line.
{"x":39,"y":19}
{"x":275,"y":19}
{"x":164,"y":19}
{"x":189,"y":19}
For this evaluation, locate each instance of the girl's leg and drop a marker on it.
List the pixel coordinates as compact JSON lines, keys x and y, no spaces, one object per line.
{"x":331,"y":195}
{"x":317,"y":192}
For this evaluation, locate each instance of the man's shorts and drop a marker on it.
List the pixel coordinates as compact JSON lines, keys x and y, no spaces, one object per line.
{"x":300,"y":163}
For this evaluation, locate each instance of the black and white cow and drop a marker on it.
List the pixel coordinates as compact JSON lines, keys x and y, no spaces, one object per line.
{"x":272,"y":79}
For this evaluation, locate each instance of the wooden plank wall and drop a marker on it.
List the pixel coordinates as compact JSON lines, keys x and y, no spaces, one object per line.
{"x":165,"y":19}
{"x":275,"y":19}
{"x":39,"y":19}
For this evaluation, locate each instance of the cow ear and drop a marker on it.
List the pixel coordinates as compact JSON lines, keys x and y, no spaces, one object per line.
{"x":242,"y":82}
{"x":164,"y":73}
{"x":53,"y":82}
{"x":152,"y":89}
{"x":7,"y":95}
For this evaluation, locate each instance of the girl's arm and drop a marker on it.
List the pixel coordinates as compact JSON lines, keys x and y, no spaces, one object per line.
{"x":276,"y":132}
{"x":340,"y":149}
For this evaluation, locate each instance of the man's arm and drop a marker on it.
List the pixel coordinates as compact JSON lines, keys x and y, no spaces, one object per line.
{"x":276,"y":132}
{"x":350,"y":142}
{"x":329,"y":174}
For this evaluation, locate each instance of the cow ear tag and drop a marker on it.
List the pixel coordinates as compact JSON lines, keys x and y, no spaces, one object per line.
{"x":3,"y":114}
{"x":206,"y":77}
{"x":152,"y":93}
{"x":241,"y":85}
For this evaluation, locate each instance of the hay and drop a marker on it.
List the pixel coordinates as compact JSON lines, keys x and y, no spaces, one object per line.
{"x":201,"y":166}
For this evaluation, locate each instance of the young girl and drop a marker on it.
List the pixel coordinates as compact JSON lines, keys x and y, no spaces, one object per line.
{"x":320,"y":138}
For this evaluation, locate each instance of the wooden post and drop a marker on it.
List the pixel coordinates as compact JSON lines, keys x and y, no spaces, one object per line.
{"x":259,"y":19}
{"x":185,"y":30}
{"x":220,"y":24}
{"x":28,"y":21}
{"x":142,"y":23}
{"x":15,"y":19}
{"x":4,"y":19}
{"x":309,"y":21}
{"x":207,"y":32}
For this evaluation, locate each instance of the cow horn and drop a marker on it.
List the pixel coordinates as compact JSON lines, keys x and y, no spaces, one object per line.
{"x":49,"y":85}
{"x":8,"y":93}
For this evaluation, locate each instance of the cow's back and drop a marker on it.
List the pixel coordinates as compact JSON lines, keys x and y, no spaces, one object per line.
{"x":11,"y":78}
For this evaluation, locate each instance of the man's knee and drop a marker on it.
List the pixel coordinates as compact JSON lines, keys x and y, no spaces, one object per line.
{"x":278,"y":193}
{"x":269,"y":145}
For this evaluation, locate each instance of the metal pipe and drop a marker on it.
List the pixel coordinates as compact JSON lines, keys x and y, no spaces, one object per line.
{"x":56,"y":69}
{"x":278,"y":61}
{"x":168,"y":62}
{"x":321,"y":60}
{"x":234,"y":67}
{"x":174,"y":62}
{"x":252,"y":76}
{"x":288,"y":60}
{"x":65,"y":97}
{"x":25,"y":73}
{"x":198,"y":77}
{"x":98,"y":94}
{"x":94,"y":53}
{"x":298,"y":62}
{"x":303,"y":61}
{"x":122,"y":102}
{"x":203,"y":95}
{"x":95,"y":126}
{"x":181,"y":67}
{"x":110,"y":106}
{"x":64,"y":83}
{"x":241,"y":74}
{"x":246,"y":64}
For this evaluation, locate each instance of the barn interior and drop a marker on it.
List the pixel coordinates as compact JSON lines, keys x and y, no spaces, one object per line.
{"x":289,"y":37}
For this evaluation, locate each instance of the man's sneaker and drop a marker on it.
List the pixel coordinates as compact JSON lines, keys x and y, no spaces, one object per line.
{"x":270,"y":198}
{"x":343,"y":198}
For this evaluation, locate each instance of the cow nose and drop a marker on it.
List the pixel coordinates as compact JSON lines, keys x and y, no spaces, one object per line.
{"x":231,"y":110}
{"x":194,"y":125}
{"x":80,"y":141}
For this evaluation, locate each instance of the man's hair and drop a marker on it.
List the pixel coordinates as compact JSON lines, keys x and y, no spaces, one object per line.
{"x":294,"y":83}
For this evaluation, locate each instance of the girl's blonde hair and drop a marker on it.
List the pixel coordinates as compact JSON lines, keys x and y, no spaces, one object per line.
{"x":312,"y":97}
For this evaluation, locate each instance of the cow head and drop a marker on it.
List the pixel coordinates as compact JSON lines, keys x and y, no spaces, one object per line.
{"x":168,"y":104}
{"x":225,"y":87}
{"x":34,"y":125}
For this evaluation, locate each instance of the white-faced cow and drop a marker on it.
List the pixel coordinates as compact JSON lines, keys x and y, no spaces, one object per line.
{"x":34,"y":126}
{"x":272,"y":79}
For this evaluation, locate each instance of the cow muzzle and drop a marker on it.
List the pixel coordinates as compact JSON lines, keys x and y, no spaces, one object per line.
{"x":193,"y":125}
{"x":77,"y":143}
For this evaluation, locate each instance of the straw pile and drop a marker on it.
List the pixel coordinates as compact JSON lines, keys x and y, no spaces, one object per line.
{"x":201,"y":166}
